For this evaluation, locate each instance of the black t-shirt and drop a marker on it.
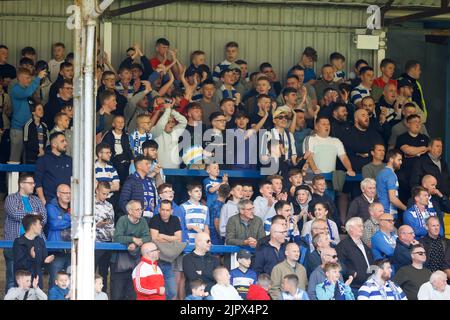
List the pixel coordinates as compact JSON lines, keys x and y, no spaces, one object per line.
{"x":255,"y":118}
{"x":168,"y":228}
{"x":406,"y":139}
{"x":360,"y":142}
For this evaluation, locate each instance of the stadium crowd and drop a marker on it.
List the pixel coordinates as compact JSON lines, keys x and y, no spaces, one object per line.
{"x":303,"y":237}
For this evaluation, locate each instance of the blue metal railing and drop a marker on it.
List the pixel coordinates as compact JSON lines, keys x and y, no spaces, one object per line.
{"x":253,"y":174}
{"x":63,"y":245}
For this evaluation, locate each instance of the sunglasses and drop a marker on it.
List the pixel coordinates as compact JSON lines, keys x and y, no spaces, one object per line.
{"x":334,"y":256}
{"x":282,"y":117}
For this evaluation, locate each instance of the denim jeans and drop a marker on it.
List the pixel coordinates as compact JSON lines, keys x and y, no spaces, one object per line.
{"x":9,"y":261}
{"x":61,"y":262}
{"x":169,"y":279}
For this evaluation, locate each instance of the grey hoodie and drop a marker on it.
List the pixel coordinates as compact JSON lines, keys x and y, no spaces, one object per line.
{"x":19,"y":294}
{"x":228,"y":210}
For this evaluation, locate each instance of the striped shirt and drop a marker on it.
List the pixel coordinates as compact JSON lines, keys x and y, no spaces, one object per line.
{"x":291,"y":233}
{"x":105,"y":173}
{"x":339,"y":76}
{"x":194,"y":215}
{"x":224,"y":65}
{"x":371,"y":290}
{"x":120,"y":88}
{"x":358,"y":93}
{"x":136,"y":141}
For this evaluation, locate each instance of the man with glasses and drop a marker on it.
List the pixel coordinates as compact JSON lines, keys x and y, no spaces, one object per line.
{"x":215,"y":139}
{"x":132,"y":231}
{"x":385,"y":239}
{"x":402,"y":252}
{"x":200,"y":263}
{"x":104,"y":171}
{"x":355,"y":257}
{"x":327,"y":255}
{"x":63,"y":98}
{"x":17,"y":206}
{"x":148,"y":279}
{"x":410,"y":278}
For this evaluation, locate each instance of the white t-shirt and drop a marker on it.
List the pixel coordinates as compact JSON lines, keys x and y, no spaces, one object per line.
{"x":325,"y":151}
{"x":224,"y":292}
{"x":117,"y":143}
{"x":54,"y":68}
{"x":427,"y":292}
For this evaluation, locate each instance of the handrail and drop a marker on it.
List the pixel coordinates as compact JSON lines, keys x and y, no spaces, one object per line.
{"x":254,"y":174}
{"x":65,"y":245}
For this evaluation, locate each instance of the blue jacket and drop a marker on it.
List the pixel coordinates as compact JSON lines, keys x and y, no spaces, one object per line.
{"x":326,"y":292}
{"x":418,"y":224}
{"x":266,"y":257}
{"x":57,"y":293}
{"x":132,"y":189}
{"x":380,"y":247}
{"x":402,"y":255}
{"x":21,"y":109}
{"x":51,"y":171}
{"x":58,"y":220}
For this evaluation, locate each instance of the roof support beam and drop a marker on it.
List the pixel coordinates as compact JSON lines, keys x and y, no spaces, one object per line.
{"x":137,"y":7}
{"x":444,"y":9}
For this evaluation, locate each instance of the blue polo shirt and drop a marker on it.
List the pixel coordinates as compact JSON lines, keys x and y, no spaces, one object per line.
{"x":387,"y":180}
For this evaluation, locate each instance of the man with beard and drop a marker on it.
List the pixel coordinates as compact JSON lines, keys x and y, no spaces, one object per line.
{"x":379,"y":286}
{"x":387,"y":184}
{"x":339,"y":124}
{"x":377,"y":121}
{"x":53,"y":168}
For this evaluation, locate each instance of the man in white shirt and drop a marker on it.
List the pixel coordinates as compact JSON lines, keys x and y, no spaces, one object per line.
{"x":435,"y":289}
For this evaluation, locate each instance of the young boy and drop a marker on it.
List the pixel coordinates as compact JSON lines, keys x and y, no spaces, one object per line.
{"x":35,"y":134}
{"x":247,"y":191}
{"x":223,"y":290}
{"x":337,"y":60}
{"x":58,"y":58}
{"x":290,"y":290}
{"x":277,"y":187}
{"x":125,"y":86}
{"x":21,"y":113}
{"x":243,"y":277}
{"x":230,"y":208}
{"x":195,"y":216}
{"x":226,"y":90}
{"x":198,"y":60}
{"x":319,"y":195}
{"x":327,"y":290}
{"x":387,"y":67}
{"x":259,"y":291}
{"x":60,"y":291}
{"x":213,"y":182}
{"x":24,"y":290}
{"x":198,"y":291}
{"x":215,"y":210}
{"x":62,"y":123}
{"x":264,"y":204}
{"x":99,"y":294}
{"x":231,"y":55}
{"x":141,"y":134}
{"x":295,"y":179}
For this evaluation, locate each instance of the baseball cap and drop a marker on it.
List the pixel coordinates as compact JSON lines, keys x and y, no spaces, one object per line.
{"x":244,"y":254}
{"x":404,"y":82}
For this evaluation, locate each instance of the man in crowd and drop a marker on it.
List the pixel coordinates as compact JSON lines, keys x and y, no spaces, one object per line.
{"x":402,"y":252}
{"x":412,"y":74}
{"x":269,"y":254}
{"x":436,"y":247}
{"x":359,"y":207}
{"x":372,"y":225}
{"x":372,"y":169}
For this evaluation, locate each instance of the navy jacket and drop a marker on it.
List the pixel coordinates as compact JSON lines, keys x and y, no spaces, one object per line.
{"x":23,"y":259}
{"x":402,"y":255}
{"x":124,"y":141}
{"x":131,"y":190}
{"x":424,"y":165}
{"x":266,"y":257}
{"x":51,"y":171}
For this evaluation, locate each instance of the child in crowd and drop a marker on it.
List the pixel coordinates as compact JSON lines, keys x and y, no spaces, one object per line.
{"x":247,"y":191}
{"x":337,"y":60}
{"x":125,"y":86}
{"x":24,"y":291}
{"x":300,"y":202}
{"x":296,"y":180}
{"x":277,"y":187}
{"x":213,"y":182}
{"x":223,"y":290}
{"x":243,"y":277}
{"x":99,"y":294}
{"x":230,"y":208}
{"x":35,"y":134}
{"x":332,"y":288}
{"x":290,"y":290}
{"x":60,"y":291}
{"x":198,"y":291}
{"x":319,"y":195}
{"x":227,"y":91}
{"x":194,"y":214}
{"x":231,"y":55}
{"x":259,"y":291}
{"x":141,"y":134}
{"x":215,"y":210}
{"x":264,"y":204}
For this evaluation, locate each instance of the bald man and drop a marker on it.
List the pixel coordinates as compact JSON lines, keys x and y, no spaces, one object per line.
{"x":405,"y":240}
{"x":200,"y":263}
{"x":148,"y":279}
{"x":59,"y":226}
{"x":289,"y":266}
{"x":385,"y":239}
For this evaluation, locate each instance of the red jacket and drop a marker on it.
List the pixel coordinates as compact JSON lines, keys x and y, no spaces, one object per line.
{"x":256,"y":292}
{"x":147,"y":280}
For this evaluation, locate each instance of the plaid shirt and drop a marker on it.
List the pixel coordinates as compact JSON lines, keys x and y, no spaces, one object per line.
{"x":370,"y":228}
{"x":15,"y":211}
